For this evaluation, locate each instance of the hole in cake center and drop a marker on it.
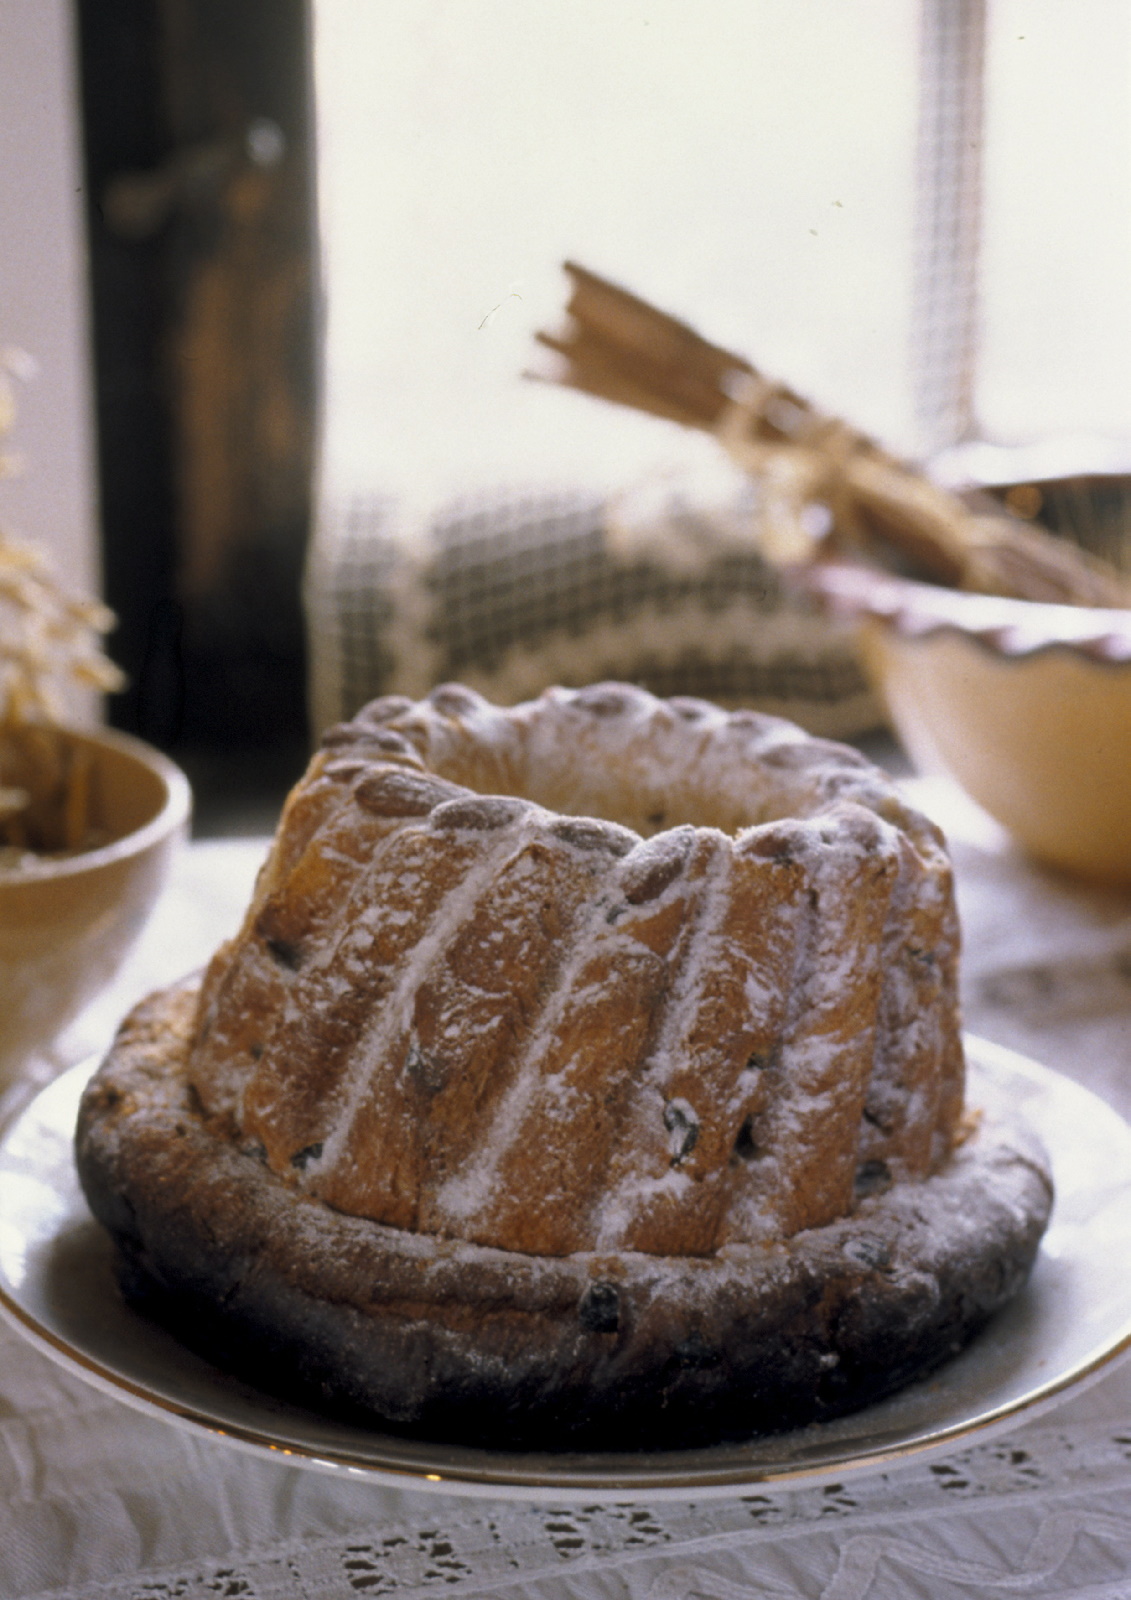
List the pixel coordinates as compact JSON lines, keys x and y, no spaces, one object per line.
{"x":629,"y":794}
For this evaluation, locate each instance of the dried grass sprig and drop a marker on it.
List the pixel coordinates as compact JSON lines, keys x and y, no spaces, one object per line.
{"x":49,"y":638}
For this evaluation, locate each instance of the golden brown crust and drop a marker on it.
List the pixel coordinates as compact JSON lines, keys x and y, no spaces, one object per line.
{"x":489,"y":1017}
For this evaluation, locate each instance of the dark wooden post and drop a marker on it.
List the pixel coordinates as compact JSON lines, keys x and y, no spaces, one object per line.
{"x":198,"y":131}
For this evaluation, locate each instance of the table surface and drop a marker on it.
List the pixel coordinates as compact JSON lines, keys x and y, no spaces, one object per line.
{"x":98,"y":1500}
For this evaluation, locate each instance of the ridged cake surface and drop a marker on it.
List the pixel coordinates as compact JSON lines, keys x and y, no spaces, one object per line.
{"x":597,"y":972}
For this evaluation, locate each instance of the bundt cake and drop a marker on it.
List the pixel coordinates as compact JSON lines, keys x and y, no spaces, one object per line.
{"x":585,"y":1071}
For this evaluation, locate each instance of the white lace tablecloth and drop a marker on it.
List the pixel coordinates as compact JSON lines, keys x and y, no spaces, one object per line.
{"x":99,"y":1501}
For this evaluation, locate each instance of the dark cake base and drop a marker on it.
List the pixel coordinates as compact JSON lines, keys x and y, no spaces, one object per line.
{"x":463,"y":1343}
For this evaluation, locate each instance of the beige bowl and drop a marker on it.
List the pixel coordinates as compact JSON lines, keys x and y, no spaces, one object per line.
{"x":1028,"y":706}
{"x":66,"y":925}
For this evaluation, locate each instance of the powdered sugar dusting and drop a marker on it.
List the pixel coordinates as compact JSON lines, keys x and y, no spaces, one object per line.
{"x":717,"y":1029}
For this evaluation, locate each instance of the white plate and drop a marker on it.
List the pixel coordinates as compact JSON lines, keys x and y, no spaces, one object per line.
{"x":57,"y":1285}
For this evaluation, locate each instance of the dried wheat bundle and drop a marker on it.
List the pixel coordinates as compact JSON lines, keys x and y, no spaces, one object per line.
{"x":618,"y":347}
{"x":48,"y":637}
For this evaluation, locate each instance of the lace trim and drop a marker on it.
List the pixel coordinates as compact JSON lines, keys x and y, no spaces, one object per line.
{"x":1041,"y":1514}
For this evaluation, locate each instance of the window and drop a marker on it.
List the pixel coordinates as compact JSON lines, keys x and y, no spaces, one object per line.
{"x":745,"y":164}
{"x":1056,"y":254}
{"x":749,"y":165}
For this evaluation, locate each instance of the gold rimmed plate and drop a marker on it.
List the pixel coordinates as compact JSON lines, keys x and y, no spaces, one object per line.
{"x":1071,"y":1323}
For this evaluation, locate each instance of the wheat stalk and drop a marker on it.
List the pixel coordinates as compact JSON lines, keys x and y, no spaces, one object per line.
{"x":49,"y":637}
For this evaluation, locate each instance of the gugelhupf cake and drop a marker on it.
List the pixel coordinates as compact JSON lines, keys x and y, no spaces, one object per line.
{"x":586,"y":1071}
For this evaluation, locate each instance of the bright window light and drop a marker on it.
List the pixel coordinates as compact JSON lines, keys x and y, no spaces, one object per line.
{"x":1056,"y":248}
{"x":745,"y":164}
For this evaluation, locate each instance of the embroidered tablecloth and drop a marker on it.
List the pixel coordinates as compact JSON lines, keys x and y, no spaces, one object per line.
{"x":100,"y":1501}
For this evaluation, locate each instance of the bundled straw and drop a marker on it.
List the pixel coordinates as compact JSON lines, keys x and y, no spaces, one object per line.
{"x":618,"y":347}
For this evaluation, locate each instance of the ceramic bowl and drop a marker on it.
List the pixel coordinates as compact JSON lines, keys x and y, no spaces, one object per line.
{"x":1027,"y":706}
{"x":66,"y":924}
